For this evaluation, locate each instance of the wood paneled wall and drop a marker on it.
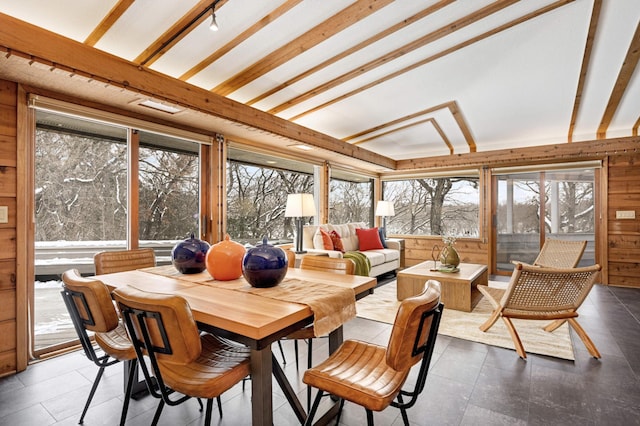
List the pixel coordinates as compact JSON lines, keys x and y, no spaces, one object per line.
{"x":623,"y":241}
{"x":8,"y":191}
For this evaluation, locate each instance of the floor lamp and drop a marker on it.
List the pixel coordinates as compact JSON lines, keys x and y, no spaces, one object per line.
{"x":298,"y":207}
{"x":384,"y":209}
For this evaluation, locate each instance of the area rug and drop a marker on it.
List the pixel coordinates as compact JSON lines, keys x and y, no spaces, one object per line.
{"x":382,"y":306}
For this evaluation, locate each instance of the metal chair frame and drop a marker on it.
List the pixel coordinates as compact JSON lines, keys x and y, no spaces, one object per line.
{"x":155,"y":383}
{"x":101,"y":361}
{"x":426,"y":349}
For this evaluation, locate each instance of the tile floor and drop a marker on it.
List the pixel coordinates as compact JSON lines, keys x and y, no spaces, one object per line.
{"x":469,"y":383}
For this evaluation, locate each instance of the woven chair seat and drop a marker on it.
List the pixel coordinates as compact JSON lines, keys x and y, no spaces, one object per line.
{"x":540,"y":293}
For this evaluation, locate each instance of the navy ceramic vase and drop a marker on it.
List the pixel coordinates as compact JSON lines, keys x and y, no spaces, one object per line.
{"x":264,"y":265}
{"x":189,"y":256}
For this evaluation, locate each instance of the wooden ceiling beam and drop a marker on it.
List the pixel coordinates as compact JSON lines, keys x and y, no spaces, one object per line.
{"x":37,"y":44}
{"x":350,"y":51}
{"x":429,"y":120}
{"x":338,"y":22}
{"x":622,"y":82}
{"x":395,"y":54}
{"x":177,"y":32}
{"x":557,"y":153}
{"x":584,"y":69}
{"x":436,"y":56}
{"x":281,"y":10}
{"x":105,"y":25}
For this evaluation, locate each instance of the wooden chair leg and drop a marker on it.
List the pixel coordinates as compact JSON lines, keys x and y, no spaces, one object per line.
{"x":554,"y":325}
{"x":492,"y":320}
{"x":515,"y":338}
{"x":585,"y":338}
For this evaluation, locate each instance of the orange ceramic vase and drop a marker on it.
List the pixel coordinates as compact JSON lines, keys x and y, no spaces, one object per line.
{"x":224,"y":260}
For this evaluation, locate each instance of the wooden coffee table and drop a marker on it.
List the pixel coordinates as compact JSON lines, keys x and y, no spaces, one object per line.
{"x":459,"y":289}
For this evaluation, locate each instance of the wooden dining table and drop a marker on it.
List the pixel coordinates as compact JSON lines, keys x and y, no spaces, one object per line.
{"x":231,"y":309}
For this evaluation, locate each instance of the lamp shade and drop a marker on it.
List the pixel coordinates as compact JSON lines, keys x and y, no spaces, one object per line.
{"x":300,"y":205}
{"x":385,"y":208}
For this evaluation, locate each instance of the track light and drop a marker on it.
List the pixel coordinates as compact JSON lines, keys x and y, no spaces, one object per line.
{"x":214,"y":24}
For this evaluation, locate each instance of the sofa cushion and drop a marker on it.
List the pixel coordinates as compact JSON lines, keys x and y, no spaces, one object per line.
{"x":308,"y":232}
{"x":347,"y":232}
{"x":389,"y":254}
{"x":381,"y":231}
{"x":369,"y":239}
{"x":336,"y":240}
{"x":376,"y":257}
{"x":322,"y":240}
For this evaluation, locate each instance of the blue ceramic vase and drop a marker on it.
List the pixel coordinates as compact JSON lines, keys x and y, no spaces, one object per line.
{"x":189,"y":256}
{"x":264,"y":265}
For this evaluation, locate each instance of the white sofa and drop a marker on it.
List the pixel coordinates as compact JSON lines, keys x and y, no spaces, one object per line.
{"x":382,"y":260}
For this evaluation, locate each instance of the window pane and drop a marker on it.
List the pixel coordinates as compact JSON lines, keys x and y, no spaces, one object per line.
{"x":169,"y":188}
{"x":440,"y":206}
{"x":81,"y":180}
{"x":350,"y":198}
{"x":80,"y":204}
{"x":518,"y":219}
{"x":257,"y":197}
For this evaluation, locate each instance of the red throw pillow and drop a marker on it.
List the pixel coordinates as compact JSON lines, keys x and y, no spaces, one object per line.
{"x":369,"y":239}
{"x":337,"y":241}
{"x":326,"y":239}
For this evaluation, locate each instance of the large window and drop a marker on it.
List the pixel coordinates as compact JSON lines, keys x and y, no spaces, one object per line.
{"x":434,"y":206}
{"x":257,"y":188}
{"x":82,"y":205}
{"x":350,"y":198}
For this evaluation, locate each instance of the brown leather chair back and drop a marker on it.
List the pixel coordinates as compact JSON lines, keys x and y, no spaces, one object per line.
{"x":92,"y":302}
{"x":172,"y":330}
{"x":329,"y":264}
{"x":107,"y":262}
{"x":411,"y":328}
{"x":291,"y":257}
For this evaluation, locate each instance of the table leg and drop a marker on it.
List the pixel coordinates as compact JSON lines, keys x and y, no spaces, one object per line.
{"x":261,"y":392}
{"x":335,"y":339}
{"x":289,"y":393}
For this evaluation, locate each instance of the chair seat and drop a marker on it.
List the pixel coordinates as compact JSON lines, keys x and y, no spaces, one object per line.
{"x":358,"y":372}
{"x":494,"y":295}
{"x":219,"y":367}
{"x":116,"y":343}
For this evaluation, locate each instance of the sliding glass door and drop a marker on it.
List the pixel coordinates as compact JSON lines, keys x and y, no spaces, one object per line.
{"x":533,"y":206}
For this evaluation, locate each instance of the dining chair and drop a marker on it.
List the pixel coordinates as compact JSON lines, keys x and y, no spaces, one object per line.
{"x":318,"y":263}
{"x":542,"y":293}
{"x":174,"y":355}
{"x":374,"y":376}
{"x":108,"y":262}
{"x":91,"y":309}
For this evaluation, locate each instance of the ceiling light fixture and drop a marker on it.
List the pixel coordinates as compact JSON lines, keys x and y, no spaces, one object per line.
{"x":214,"y":24}
{"x":149,"y":103}
{"x":302,"y":147}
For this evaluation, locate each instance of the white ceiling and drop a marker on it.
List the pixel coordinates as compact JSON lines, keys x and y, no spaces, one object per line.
{"x":514,"y":87}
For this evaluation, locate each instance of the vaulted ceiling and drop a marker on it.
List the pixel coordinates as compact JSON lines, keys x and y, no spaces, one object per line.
{"x":405,"y":79}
